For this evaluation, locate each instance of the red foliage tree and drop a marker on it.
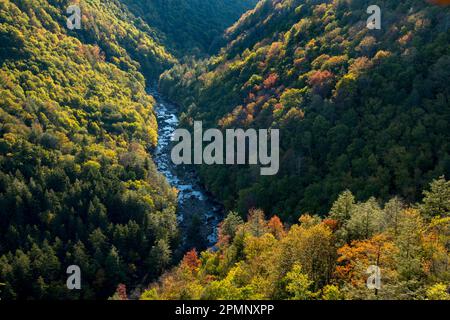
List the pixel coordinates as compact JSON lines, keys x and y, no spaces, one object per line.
{"x":191,"y":260}
{"x":321,"y":82}
{"x":332,"y":224}
{"x":121,"y":291}
{"x":276,"y":227}
{"x":270,"y":81}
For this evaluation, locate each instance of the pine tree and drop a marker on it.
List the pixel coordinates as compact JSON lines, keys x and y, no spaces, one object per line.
{"x":436,"y":201}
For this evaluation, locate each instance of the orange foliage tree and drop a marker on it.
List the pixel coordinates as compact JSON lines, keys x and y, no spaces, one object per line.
{"x":354,"y":259}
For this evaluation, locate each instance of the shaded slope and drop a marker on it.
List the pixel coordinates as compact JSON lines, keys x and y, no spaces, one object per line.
{"x":357,"y":108}
{"x":190,"y":26}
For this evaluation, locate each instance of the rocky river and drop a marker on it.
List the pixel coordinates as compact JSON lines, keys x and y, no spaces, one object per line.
{"x":198,"y":213}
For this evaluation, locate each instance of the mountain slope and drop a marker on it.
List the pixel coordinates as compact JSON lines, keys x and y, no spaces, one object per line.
{"x":190,"y":26}
{"x":362,"y":109}
{"x":77,"y":184}
{"x":327,"y":258}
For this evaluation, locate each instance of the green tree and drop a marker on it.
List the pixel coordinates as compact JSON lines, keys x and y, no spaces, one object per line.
{"x":298,"y":284}
{"x":436,"y":201}
{"x":342,"y":207}
{"x":365,"y":220}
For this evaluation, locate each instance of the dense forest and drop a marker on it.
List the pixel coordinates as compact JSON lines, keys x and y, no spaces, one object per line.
{"x":77,"y":184}
{"x":190,"y":27}
{"x":365,"y":148}
{"x":358,"y":109}
{"x":324,"y":257}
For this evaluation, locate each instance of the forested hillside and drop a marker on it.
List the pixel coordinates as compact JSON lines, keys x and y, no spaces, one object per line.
{"x":77,"y":184}
{"x":191,"y":26}
{"x":365,"y":148}
{"x":359,"y":109}
{"x":324,"y":258}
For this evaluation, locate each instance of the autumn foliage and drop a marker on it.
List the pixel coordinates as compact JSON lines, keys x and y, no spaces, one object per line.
{"x":324,"y":258}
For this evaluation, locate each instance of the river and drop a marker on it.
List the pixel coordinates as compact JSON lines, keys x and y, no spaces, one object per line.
{"x":198,"y":213}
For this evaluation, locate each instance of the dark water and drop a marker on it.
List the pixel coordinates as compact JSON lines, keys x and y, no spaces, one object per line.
{"x":198,"y":213}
